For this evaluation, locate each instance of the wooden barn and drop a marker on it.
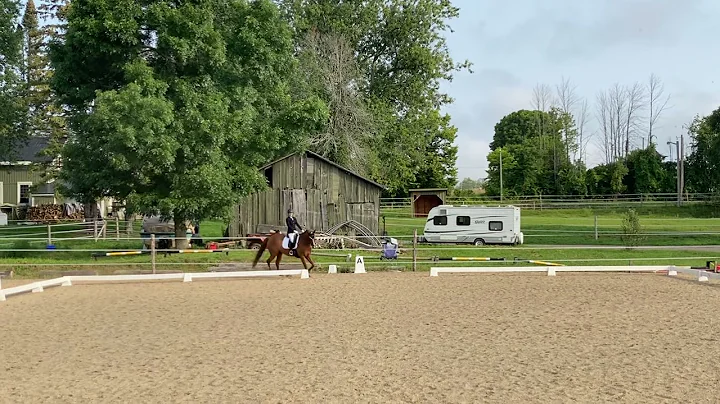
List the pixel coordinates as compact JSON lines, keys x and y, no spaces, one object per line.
{"x":321,"y":193}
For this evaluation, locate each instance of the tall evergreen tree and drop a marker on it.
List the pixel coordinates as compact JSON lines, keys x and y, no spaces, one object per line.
{"x":12,"y":111}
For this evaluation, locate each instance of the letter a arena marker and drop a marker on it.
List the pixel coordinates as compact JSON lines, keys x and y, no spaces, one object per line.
{"x":359,"y":265}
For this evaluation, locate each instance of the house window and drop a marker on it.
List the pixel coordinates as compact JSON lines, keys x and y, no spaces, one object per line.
{"x":24,"y":193}
{"x":440,"y":220}
{"x":496,"y":226}
{"x":462,"y":221}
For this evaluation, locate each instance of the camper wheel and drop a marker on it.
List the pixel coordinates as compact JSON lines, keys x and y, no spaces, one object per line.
{"x":479,"y":242}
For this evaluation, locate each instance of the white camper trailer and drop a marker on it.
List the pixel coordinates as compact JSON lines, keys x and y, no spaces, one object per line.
{"x":477,"y":225}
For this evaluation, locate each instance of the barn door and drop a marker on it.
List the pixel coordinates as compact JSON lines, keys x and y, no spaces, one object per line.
{"x":299,"y":206}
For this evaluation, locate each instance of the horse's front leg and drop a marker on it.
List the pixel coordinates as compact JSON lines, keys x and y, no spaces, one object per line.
{"x":302,"y":259}
{"x":312,"y":263}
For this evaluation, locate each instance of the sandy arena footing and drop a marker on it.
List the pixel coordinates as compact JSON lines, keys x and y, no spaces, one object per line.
{"x":377,"y":337}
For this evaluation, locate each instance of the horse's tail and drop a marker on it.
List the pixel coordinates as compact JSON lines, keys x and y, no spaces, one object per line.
{"x":260,"y":252}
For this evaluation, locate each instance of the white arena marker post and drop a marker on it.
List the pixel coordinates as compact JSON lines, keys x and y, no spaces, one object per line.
{"x":702,"y":277}
{"x":305,"y":274}
{"x":187,"y":278}
{"x":672,"y":271}
{"x":551,"y":271}
{"x":332,"y":269}
{"x":359,"y":265}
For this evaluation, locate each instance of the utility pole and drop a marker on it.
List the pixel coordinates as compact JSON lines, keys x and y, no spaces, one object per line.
{"x":678,"y":166}
{"x":682,"y":167}
{"x":501,"y":184}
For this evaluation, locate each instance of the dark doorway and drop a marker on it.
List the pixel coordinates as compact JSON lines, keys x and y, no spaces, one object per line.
{"x":424,"y":203}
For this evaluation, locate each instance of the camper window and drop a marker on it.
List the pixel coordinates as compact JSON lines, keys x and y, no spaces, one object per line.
{"x":440,"y":220}
{"x":496,"y":226}
{"x":462,"y":221}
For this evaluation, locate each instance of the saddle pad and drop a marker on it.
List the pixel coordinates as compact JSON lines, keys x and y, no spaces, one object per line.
{"x":286,"y":242}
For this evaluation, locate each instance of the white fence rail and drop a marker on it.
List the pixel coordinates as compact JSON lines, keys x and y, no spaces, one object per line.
{"x":40,"y":286}
{"x":702,"y":275}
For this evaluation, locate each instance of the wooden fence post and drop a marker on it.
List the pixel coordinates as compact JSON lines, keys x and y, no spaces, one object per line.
{"x":414,"y":250}
{"x":49,"y":231}
{"x":152,"y":251}
{"x":95,"y":230}
{"x":596,"y":228}
{"x":117,"y":228}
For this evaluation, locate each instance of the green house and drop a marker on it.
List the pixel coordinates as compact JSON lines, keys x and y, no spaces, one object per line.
{"x":21,"y":182}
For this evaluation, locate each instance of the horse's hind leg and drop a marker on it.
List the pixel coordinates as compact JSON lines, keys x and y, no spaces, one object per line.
{"x":277,"y":261}
{"x":269,"y":260}
{"x":302,"y":259}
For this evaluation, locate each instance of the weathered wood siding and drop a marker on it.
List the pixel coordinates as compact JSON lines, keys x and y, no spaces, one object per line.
{"x":10,"y":176}
{"x":321,"y":195}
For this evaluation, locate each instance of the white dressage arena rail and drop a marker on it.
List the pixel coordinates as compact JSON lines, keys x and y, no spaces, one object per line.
{"x":34,"y":287}
{"x":185,"y":277}
{"x":702,"y":276}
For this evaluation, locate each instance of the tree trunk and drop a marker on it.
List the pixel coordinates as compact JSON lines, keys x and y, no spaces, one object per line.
{"x":181,"y":241}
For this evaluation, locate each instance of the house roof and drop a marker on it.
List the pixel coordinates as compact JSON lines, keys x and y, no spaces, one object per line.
{"x":30,"y":150}
{"x":319,"y":157}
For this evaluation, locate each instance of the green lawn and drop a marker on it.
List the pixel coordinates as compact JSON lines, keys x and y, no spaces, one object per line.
{"x":577,"y":227}
{"x":30,"y":263}
{"x":29,"y":257}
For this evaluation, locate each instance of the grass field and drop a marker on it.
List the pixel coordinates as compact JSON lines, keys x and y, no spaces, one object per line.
{"x":542,"y":229}
{"x":32,"y":263}
{"x":577,"y":227}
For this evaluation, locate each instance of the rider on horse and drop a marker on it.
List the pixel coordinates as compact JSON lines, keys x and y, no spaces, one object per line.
{"x":292,"y":232}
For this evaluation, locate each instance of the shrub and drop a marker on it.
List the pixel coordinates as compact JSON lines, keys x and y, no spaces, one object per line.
{"x":632,"y":231}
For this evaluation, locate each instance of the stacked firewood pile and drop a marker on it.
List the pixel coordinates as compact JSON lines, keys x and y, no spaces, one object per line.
{"x":52,"y":213}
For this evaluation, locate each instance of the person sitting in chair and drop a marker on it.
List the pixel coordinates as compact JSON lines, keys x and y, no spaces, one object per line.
{"x":292,"y":231}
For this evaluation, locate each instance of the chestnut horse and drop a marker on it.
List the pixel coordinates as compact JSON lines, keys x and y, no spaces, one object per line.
{"x":273,"y":244}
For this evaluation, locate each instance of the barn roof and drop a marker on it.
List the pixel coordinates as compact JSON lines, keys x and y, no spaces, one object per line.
{"x":428,"y":190}
{"x":319,"y":157}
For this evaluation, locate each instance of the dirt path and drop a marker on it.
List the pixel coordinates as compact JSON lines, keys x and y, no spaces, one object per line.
{"x":378,"y":337}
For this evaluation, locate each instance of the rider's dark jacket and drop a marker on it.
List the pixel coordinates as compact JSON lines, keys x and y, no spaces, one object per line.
{"x":292,"y":224}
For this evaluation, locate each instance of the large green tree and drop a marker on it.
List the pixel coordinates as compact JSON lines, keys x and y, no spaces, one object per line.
{"x":703,"y":164}
{"x":400,"y":50}
{"x":12,"y":109}
{"x":329,"y":70}
{"x":537,"y":142}
{"x":175,"y":105}
{"x":646,"y":171}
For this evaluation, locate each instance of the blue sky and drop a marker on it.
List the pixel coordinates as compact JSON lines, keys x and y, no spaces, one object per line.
{"x":516,"y":44}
